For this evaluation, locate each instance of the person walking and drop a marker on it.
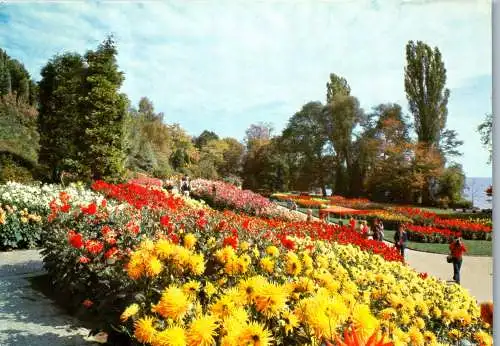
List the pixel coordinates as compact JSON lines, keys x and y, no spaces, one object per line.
{"x":309,"y":215}
{"x":364,"y":229}
{"x":401,"y":239}
{"x":378,"y":230}
{"x":185,"y":186}
{"x":352,"y":223}
{"x":457,"y":249}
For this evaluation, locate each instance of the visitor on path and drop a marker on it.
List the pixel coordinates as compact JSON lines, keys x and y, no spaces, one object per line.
{"x":352,"y":223}
{"x":401,"y":239}
{"x":185,"y":186}
{"x":309,"y":215}
{"x":365,"y":229}
{"x":457,"y":249}
{"x":378,"y":230}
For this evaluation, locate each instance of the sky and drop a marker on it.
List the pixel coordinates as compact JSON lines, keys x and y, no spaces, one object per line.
{"x":224,"y":65}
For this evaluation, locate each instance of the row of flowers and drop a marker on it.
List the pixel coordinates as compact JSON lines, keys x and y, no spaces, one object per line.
{"x":183,"y":275}
{"x":467,"y":227}
{"x":470,"y":229}
{"x":36,"y":197}
{"x":224,"y":195}
{"x":23,"y":211}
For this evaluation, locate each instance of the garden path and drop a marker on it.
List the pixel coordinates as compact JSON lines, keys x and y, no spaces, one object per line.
{"x":27,"y":317}
{"x":476,"y":273}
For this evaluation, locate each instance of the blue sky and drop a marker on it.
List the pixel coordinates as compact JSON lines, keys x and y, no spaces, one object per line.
{"x":223,"y":65}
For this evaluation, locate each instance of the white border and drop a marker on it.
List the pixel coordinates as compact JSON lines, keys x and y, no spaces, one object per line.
{"x":496,"y":159}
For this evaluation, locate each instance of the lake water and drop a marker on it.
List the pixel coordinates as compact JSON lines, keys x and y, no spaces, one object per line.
{"x":475,"y":191}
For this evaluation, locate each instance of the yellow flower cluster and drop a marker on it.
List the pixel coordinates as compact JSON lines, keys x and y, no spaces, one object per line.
{"x":147,"y":259}
{"x":309,"y":296}
{"x":24,"y":215}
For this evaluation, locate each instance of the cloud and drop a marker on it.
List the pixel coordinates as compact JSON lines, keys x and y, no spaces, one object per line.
{"x":223,"y":65}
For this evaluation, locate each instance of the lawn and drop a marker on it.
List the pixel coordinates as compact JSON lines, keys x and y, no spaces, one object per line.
{"x":475,"y":247}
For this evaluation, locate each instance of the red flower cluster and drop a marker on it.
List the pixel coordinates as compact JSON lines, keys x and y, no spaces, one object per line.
{"x":94,"y":246}
{"x":456,"y":225}
{"x":138,"y":196}
{"x":429,"y":230}
{"x":91,"y":209}
{"x":146,"y":181}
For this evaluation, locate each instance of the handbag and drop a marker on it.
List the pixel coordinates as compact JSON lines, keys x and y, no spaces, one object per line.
{"x":449,"y":258}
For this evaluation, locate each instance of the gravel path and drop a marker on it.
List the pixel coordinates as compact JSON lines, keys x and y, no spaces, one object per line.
{"x":27,"y":317}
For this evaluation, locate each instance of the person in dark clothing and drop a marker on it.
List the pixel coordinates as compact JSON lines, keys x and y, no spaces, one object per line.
{"x":401,"y":239}
{"x":457,"y":249}
{"x":185,"y":186}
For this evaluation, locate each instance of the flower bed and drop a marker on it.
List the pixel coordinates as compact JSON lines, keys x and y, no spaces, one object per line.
{"x":228,"y":196}
{"x":469,"y":228}
{"x":465,"y":228}
{"x":24,"y":208}
{"x":171,"y":274}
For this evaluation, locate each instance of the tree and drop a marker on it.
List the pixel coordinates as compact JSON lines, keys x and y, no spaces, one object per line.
{"x":15,"y":79}
{"x":204,"y":138}
{"x":451,"y":184}
{"x":149,"y":145}
{"x":60,"y":119}
{"x":82,"y":114}
{"x":340,"y":117}
{"x":232,"y":158}
{"x":381,"y":151}
{"x":104,"y":109}
{"x":485,"y":129}
{"x":305,"y":137}
{"x":264,"y":167}
{"x":449,"y":143}
{"x":336,"y":86}
{"x":425,"y":80}
{"x":258,"y":134}
{"x":211,"y":158}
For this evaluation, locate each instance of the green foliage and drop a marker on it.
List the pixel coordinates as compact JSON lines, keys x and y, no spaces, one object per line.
{"x":15,"y":79}
{"x":18,"y":129}
{"x":205,"y":137}
{"x":264,"y":167}
{"x":231,"y":164}
{"x":15,"y":168}
{"x":60,"y":119}
{"x":82,"y":113}
{"x":451,"y":183}
{"x":19,"y":138}
{"x":336,"y":86}
{"x":149,"y":142}
{"x":425,"y":80}
{"x":341,"y":116}
{"x":101,"y":144}
{"x":485,"y":129}
{"x":305,"y":137}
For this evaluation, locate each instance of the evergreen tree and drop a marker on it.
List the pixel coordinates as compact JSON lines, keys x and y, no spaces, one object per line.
{"x":104,"y":112}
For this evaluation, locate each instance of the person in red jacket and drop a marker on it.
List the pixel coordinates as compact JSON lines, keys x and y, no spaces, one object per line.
{"x":352,"y":223}
{"x":457,"y":249}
